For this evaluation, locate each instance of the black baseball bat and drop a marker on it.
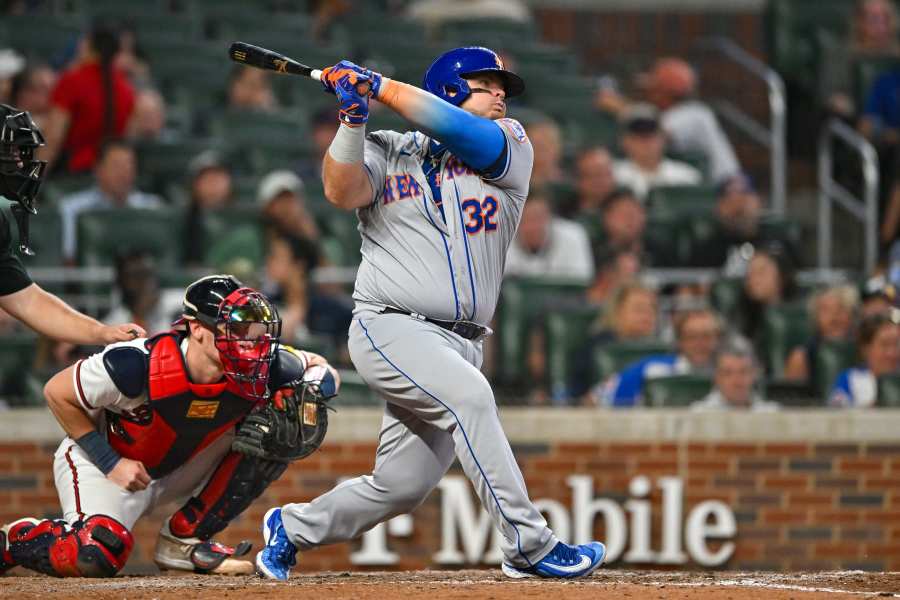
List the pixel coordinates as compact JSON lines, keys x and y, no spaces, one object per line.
{"x":263,"y":58}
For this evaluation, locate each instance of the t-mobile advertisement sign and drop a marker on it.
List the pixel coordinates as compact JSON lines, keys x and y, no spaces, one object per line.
{"x":703,"y":533}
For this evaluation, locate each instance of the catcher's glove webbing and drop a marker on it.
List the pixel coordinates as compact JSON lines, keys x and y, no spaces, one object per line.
{"x":293,"y":424}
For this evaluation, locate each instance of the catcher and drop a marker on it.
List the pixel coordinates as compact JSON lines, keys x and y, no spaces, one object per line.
{"x":214,"y":407}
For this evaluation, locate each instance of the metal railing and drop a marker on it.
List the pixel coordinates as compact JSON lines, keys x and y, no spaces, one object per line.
{"x":831,"y":192}
{"x":772,"y":137}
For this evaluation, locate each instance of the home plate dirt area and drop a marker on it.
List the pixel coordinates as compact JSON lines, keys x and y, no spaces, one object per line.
{"x":638,"y":585}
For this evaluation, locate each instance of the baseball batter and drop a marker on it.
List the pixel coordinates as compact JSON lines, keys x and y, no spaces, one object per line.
{"x":437,"y":209}
{"x":155,"y":421}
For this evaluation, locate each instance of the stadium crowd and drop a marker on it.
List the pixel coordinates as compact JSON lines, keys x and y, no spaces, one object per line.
{"x":648,"y":269}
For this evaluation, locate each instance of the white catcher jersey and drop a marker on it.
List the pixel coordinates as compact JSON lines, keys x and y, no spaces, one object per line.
{"x":443,"y":259}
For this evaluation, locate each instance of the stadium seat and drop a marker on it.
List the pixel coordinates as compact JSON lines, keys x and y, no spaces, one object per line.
{"x":866,"y":71}
{"x":167,"y":162}
{"x":233,"y":233}
{"x":792,"y":27}
{"x":104,"y":234}
{"x":612,"y":357}
{"x":522,"y":301}
{"x":565,"y":332}
{"x":45,"y":239}
{"x":889,"y":391}
{"x":561,"y":96}
{"x":488,"y":32}
{"x":662,"y":242}
{"x":784,"y":328}
{"x":43,"y":37}
{"x":675,"y":390}
{"x":682,"y":200}
{"x":791,"y":394}
{"x":340,"y":228}
{"x":725,"y":295}
{"x":354,"y":391}
{"x":831,"y":360}
{"x":16,"y":356}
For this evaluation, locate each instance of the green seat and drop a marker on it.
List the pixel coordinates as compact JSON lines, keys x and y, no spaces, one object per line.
{"x":16,"y":356}
{"x":104,"y":234}
{"x":662,"y":242}
{"x":611,"y":358}
{"x":522,"y":301}
{"x":831,"y":360}
{"x":341,"y":242}
{"x":675,"y":390}
{"x":354,"y":391}
{"x":591,"y":129}
{"x":45,"y":238}
{"x":689,"y":200}
{"x":42,"y":37}
{"x":866,"y":71}
{"x":565,"y":332}
{"x":791,"y":394}
{"x":725,"y":295}
{"x":233,"y":233}
{"x":561,"y":96}
{"x":792,"y":28}
{"x":784,"y":328}
{"x":488,"y":32}
{"x":889,"y":391}
{"x":165,"y":162}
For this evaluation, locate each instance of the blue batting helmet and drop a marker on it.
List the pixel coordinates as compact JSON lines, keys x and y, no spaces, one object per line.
{"x":444,"y":78}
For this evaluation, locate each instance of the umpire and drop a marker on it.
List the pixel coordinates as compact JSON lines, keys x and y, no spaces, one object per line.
{"x":20,"y":179}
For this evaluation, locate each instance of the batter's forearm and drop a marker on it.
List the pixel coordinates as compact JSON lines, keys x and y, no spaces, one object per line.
{"x":343,"y":172}
{"x":475,"y":140}
{"x":50,"y":316}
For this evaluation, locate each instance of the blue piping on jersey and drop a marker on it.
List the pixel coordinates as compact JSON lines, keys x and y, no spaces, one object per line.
{"x":465,"y":236}
{"x":465,"y":437}
{"x":447,"y":250}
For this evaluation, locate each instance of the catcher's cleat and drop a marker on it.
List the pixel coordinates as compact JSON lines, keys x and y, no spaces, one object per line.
{"x":198,"y":556}
{"x":11,"y":530}
{"x":279,"y":555}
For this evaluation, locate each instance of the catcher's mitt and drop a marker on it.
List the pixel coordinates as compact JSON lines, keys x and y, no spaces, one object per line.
{"x":289,"y":427}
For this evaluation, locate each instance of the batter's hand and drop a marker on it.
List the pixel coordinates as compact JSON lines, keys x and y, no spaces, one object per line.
{"x":353,"y":86}
{"x":129,"y":475}
{"x":111,"y":334}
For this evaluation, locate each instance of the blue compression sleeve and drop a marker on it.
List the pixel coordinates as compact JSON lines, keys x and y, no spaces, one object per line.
{"x":477,"y":141}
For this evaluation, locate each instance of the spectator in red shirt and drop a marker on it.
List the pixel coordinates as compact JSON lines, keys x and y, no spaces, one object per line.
{"x":92,"y":102}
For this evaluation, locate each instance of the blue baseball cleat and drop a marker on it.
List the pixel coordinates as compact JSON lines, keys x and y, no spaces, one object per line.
{"x":275,"y":560}
{"x":563,"y":562}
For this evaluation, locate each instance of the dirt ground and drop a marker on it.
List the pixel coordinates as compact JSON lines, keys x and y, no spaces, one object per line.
{"x":637,"y":585}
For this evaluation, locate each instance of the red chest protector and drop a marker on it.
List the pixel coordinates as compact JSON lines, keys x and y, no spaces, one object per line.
{"x":180,"y":419}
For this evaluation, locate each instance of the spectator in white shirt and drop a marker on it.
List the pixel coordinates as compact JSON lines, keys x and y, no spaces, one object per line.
{"x":690,"y":124}
{"x":646,"y":166}
{"x":546,"y":245}
{"x":115,"y":174}
{"x":737,"y":372}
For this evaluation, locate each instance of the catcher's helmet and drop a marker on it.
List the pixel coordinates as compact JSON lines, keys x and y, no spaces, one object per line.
{"x":444,"y":78}
{"x":20,"y":174}
{"x":246,"y":326}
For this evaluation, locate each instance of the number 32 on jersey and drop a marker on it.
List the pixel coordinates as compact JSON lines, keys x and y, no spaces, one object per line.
{"x":480,"y":214}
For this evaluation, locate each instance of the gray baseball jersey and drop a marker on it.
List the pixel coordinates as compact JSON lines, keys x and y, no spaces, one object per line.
{"x":441,"y":259}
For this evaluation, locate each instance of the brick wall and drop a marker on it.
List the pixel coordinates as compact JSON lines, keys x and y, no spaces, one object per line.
{"x":803,"y":504}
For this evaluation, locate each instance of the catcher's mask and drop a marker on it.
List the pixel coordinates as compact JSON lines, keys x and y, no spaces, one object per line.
{"x":20,"y":173}
{"x":246,"y":327}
